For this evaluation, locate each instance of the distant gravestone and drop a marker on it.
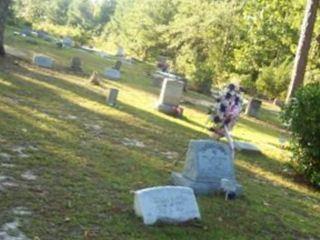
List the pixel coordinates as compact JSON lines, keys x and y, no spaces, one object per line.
{"x":207,"y":163}
{"x":67,"y":42}
{"x":94,"y":79}
{"x":118,"y":65}
{"x":120,"y":52}
{"x":43,"y":61}
{"x":244,"y":146}
{"x":112,"y":74}
{"x":171,"y":92}
{"x":170,"y":96}
{"x":112,"y":97}
{"x":253,"y":107}
{"x":26,"y":32}
{"x":166,"y":204}
{"x":75,"y":64}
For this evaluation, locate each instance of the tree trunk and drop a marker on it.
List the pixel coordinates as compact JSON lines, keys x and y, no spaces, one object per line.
{"x":301,"y":58}
{"x":4,"y":8}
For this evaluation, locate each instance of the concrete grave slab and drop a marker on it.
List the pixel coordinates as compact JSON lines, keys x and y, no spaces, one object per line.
{"x":245,"y":146}
{"x":112,"y":74}
{"x":169,"y":204}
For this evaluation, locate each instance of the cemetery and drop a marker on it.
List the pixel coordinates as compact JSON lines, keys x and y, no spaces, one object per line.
{"x":95,"y":145}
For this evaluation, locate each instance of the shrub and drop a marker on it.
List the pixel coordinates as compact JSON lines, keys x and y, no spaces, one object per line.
{"x":302,"y":116}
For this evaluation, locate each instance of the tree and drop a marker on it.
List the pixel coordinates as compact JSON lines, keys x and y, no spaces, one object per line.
{"x":4,"y":9}
{"x":301,"y":58}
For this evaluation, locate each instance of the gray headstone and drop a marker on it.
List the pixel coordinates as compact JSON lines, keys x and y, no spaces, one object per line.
{"x":117,"y":66}
{"x":112,"y":97}
{"x":171,"y":92}
{"x":253,"y":107}
{"x":120,"y":52}
{"x":112,"y":74}
{"x":76,"y":64}
{"x":244,"y":146}
{"x":207,"y":162}
{"x":43,"y":61}
{"x":67,"y":42}
{"x":166,"y":204}
{"x":26,"y":31}
{"x":94,"y":79}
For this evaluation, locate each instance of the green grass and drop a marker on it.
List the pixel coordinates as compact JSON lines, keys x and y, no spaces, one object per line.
{"x":86,"y":175}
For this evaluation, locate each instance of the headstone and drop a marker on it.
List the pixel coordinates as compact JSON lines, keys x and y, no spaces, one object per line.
{"x":43,"y":61}
{"x":171,"y":92}
{"x":117,"y":66}
{"x":170,"y":96}
{"x":112,"y":97}
{"x":207,"y":162}
{"x":67,"y":42}
{"x":244,"y":146}
{"x":253,"y":107}
{"x":120,"y":52}
{"x":76,"y":64}
{"x":112,"y":74}
{"x":26,"y":32}
{"x":166,"y":204}
{"x":43,"y":35}
{"x":94,"y":79}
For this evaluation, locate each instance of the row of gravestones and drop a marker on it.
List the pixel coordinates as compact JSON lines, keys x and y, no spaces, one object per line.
{"x":47,"y":62}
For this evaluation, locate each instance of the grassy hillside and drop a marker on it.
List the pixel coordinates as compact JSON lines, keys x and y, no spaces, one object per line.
{"x":56,"y":124}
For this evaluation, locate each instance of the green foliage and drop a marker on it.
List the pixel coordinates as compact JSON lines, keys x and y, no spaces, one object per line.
{"x":86,"y":17}
{"x":273,"y":81}
{"x":302,"y":115}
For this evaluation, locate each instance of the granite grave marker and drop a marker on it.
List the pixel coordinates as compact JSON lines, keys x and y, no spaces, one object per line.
{"x":166,"y":204}
{"x":207,"y":162}
{"x":43,"y":61}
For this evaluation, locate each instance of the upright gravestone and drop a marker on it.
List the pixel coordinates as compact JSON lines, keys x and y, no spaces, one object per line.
{"x":253,"y":107}
{"x":94,"y":79}
{"x":75,"y":64}
{"x":43,"y":61}
{"x":118,"y":65}
{"x":67,"y":42}
{"x":120,"y":52}
{"x":170,"y":96}
{"x":112,"y":97}
{"x":166,"y":204}
{"x":26,"y":32}
{"x":207,"y":163}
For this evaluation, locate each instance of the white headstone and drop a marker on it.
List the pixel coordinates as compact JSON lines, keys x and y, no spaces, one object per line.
{"x":245,"y":146}
{"x":171,"y":92}
{"x":113,"y":74}
{"x":43,"y":61}
{"x":166,"y":204}
{"x":120,"y":52}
